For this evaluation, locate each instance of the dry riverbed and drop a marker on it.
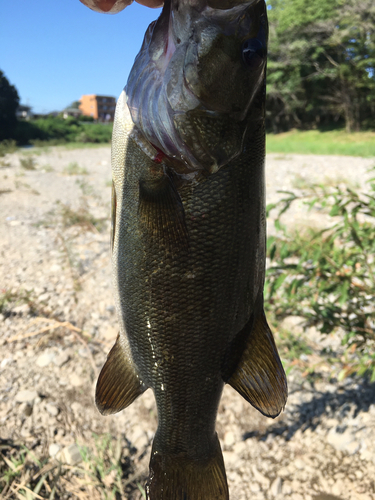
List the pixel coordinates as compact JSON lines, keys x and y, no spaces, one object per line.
{"x":57,"y":323}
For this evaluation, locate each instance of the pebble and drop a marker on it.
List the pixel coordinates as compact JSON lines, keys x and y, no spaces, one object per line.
{"x":53,"y":449}
{"x":52,"y":409}
{"x":229,"y":439}
{"x":26,"y":409}
{"x":70,"y":455}
{"x":22,"y":309}
{"x":75,"y":380}
{"x":26,"y":396}
{"x":276,"y":487}
{"x":62,"y":358}
{"x":343,"y":441}
{"x":4,"y":362}
{"x":45,"y":359}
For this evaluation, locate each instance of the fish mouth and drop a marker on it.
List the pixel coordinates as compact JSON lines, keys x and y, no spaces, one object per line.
{"x":174,"y":92}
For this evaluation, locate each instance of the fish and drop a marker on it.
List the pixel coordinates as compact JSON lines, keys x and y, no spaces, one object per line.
{"x":189,"y":238}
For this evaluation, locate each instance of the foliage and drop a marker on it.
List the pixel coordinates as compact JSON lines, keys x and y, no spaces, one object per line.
{"x":74,"y":169}
{"x":321,"y":64}
{"x":106,"y":471}
{"x":7,"y":146}
{"x":328,"y":276}
{"x":28,"y":163}
{"x":9,"y":102}
{"x":334,"y":142}
{"x":57,"y":130}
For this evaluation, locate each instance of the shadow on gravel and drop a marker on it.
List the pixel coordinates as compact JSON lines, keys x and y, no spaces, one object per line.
{"x":336,"y":403}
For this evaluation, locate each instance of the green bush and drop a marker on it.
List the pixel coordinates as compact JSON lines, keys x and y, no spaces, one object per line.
{"x":58,"y":130}
{"x":328,"y":276}
{"x":7,"y":146}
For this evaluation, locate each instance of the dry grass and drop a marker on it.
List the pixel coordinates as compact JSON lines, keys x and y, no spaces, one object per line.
{"x":107,"y":470}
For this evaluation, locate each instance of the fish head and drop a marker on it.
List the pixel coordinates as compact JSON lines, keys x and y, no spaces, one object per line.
{"x":193,"y":84}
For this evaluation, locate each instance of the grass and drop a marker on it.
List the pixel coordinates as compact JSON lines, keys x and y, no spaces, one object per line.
{"x":106,"y":471}
{"x":28,"y":163}
{"x":7,"y":146}
{"x":81,"y":217}
{"x":74,"y":169}
{"x":85,"y":145}
{"x":335,"y":142}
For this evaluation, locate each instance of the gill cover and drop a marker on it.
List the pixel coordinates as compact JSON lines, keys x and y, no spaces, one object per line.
{"x":194,"y":81}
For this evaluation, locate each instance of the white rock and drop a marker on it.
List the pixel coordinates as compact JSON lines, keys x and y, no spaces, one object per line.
{"x":43,"y":297}
{"x":45,"y":359}
{"x":53,"y":449}
{"x":4,"y":362}
{"x":276,"y":487}
{"x":24,"y":308}
{"x":76,"y":408}
{"x":230,"y":458}
{"x":61,"y":359}
{"x":75,"y":380}
{"x":26,"y":396}
{"x":299,"y":464}
{"x":229,"y":439}
{"x":55,"y":268}
{"x":254,"y":487}
{"x":343,"y":442}
{"x":52,"y":409}
{"x":70,"y":455}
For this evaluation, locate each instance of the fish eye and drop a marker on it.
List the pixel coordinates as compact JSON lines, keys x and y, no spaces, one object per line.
{"x":253,"y":53}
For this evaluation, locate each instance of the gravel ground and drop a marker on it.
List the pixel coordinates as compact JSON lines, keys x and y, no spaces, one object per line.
{"x":58,"y":323}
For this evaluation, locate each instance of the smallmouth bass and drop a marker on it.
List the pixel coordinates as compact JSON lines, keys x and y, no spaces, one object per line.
{"x":189,"y":236}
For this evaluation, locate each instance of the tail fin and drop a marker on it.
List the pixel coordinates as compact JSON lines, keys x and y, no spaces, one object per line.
{"x":179,"y":477}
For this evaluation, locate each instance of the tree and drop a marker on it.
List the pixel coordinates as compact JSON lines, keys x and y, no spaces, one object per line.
{"x":9,"y":102}
{"x":321,"y":63}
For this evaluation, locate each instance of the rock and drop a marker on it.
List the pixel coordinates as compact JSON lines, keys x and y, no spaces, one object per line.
{"x":22,"y":309}
{"x":53,"y":449}
{"x":52,"y":409}
{"x":299,"y":464}
{"x":45,"y":359}
{"x":26,"y":409}
{"x":260,"y":478}
{"x":76,"y":408}
{"x":44,"y":297}
{"x":75,"y":380}
{"x":293,"y":323}
{"x":110,"y":333}
{"x":55,"y":268}
{"x":26,"y":396}
{"x":62,"y":358}
{"x":230,"y":458}
{"x":343,"y":442}
{"x":229,"y":439}
{"x":276,"y":487}
{"x":70,"y":455}
{"x":4,"y":362}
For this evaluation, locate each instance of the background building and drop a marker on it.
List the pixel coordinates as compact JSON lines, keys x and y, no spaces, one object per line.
{"x":100,"y":107}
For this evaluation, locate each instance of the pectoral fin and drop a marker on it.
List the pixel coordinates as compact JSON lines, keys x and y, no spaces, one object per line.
{"x":259,"y":375}
{"x":118,"y":383}
{"x":162,"y":213}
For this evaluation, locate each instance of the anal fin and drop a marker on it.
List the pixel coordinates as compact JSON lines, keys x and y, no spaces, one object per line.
{"x":259,"y":375}
{"x":118,"y":383}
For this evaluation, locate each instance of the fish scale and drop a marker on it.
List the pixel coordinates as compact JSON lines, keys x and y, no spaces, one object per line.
{"x":189,"y":247}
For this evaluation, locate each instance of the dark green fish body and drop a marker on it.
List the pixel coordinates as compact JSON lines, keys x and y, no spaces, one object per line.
{"x":189,"y":238}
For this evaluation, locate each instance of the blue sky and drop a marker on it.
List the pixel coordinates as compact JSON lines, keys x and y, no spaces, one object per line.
{"x":54,"y":51}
